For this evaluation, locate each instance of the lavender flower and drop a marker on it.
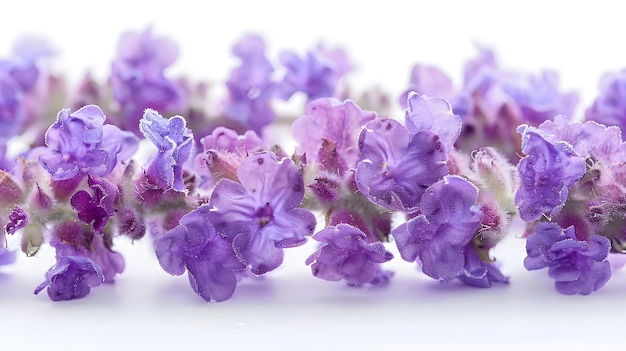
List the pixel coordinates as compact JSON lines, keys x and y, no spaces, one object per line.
{"x":97,"y":209}
{"x":589,"y":140}
{"x":71,"y":278}
{"x":224,"y":139}
{"x":609,"y":108}
{"x":430,"y":81}
{"x":538,"y":97}
{"x":398,"y":167}
{"x":250,"y":88}
{"x":478,"y":273}
{"x":194,"y":246}
{"x":260,"y":213}
{"x":493,"y":102}
{"x":11,"y":109}
{"x":72,"y":239}
{"x":138,"y":77}
{"x":438,"y":237}
{"x":327,"y":133}
{"x":18,"y":219}
{"x":315,"y":75}
{"x":546,"y":173}
{"x":434,"y":114}
{"x":175,"y":144}
{"x":224,"y":150}
{"x":79,"y":142}
{"x":577,"y":266}
{"x":347,"y":254}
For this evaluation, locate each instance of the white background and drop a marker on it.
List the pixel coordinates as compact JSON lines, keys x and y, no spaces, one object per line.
{"x":290,"y":309}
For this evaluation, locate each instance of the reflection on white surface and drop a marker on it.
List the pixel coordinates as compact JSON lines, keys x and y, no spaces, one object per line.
{"x":289,"y":307}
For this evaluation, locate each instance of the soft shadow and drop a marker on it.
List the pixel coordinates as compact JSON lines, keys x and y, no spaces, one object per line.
{"x":254,"y":289}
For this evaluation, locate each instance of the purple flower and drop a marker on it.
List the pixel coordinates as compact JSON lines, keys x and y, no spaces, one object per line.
{"x":260,"y":213}
{"x":494,"y":102}
{"x":589,"y":139}
{"x":224,"y":139}
{"x":577,"y":266}
{"x":11,"y":108}
{"x":194,"y":246}
{"x":72,"y":239}
{"x":313,"y":75}
{"x":17,"y":220}
{"x":538,"y":97}
{"x":250,"y":88}
{"x":347,"y":254}
{"x":97,"y":209}
{"x":609,"y":108}
{"x":174,"y":142}
{"x":478,"y":273}
{"x":328,"y":131}
{"x":224,"y":150}
{"x":79,"y":142}
{"x":430,"y":81}
{"x":71,"y":278}
{"x":546,"y":173}
{"x":138,"y":80}
{"x":398,"y":167}
{"x":434,"y":114}
{"x":438,"y":237}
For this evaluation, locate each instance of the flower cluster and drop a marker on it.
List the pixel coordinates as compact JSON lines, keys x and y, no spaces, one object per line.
{"x":221,"y":204}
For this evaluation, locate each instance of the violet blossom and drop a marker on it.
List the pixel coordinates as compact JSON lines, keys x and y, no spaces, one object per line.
{"x":72,"y":277}
{"x":493,"y":102}
{"x":11,"y":109}
{"x":96,"y":209}
{"x":79,"y":142}
{"x":250,"y":88}
{"x":73,"y":239}
{"x":316,"y":74}
{"x":439,"y":236}
{"x":577,"y":266}
{"x":223,"y":151}
{"x":434,"y":114}
{"x":609,"y":108}
{"x":174,"y":142}
{"x":194,"y":246}
{"x":138,"y":77}
{"x":429,"y":81}
{"x":478,"y":273}
{"x":546,"y":173}
{"x":260,"y":213}
{"x":327,"y":133}
{"x":398,"y":167}
{"x":347,"y":254}
{"x":18,"y":219}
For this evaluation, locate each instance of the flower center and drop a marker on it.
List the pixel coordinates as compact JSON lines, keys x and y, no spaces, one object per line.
{"x":264,"y":215}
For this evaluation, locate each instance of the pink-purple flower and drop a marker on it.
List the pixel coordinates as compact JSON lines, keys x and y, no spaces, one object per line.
{"x":327,"y":133}
{"x":261,"y":213}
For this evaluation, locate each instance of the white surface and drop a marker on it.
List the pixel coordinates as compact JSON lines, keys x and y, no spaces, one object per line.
{"x":290,"y":309}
